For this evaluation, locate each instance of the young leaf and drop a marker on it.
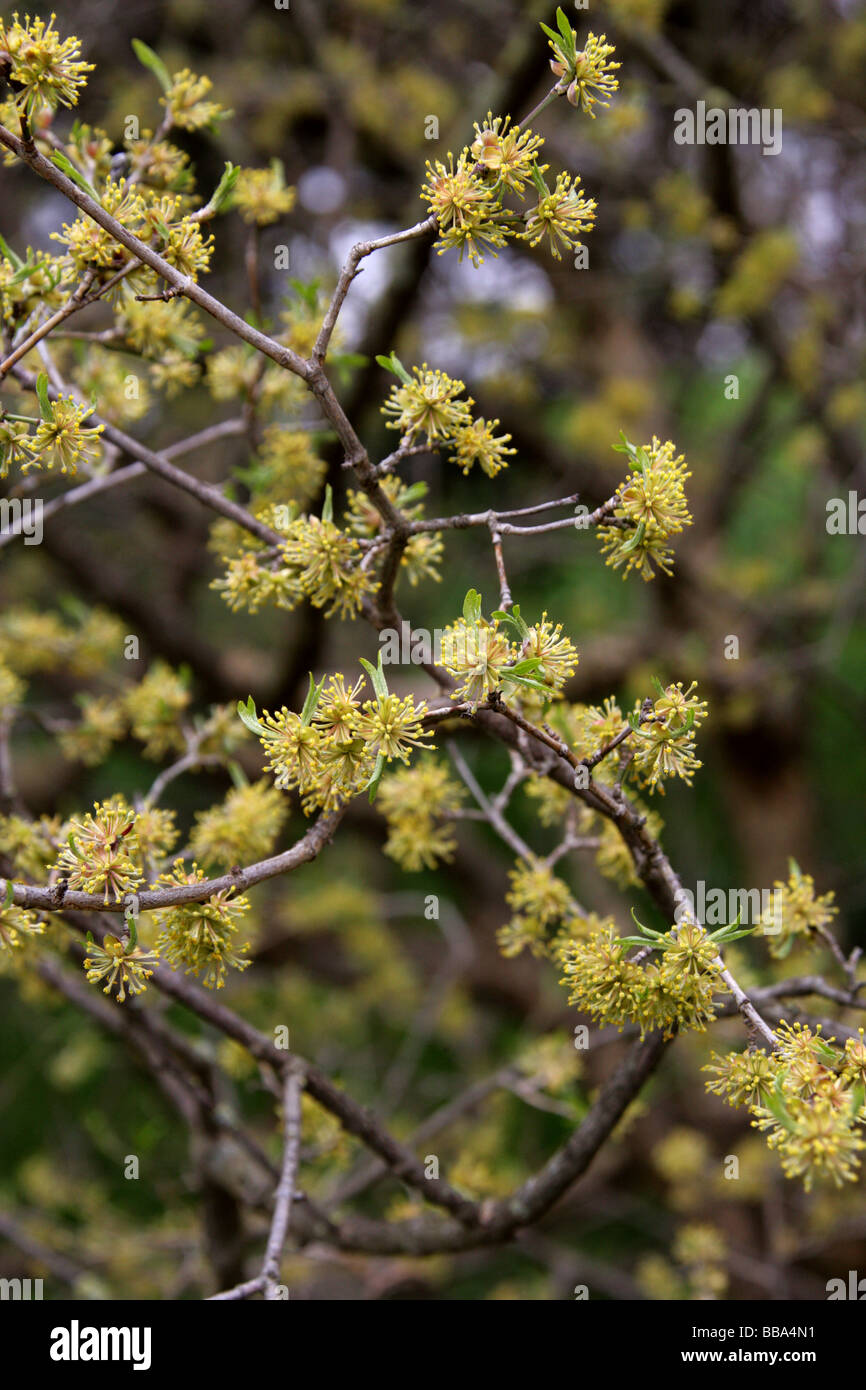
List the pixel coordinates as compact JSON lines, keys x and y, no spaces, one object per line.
{"x":224,"y":188}
{"x":153,"y":63}
{"x":634,"y":541}
{"x":66,"y":167}
{"x":42,"y":393}
{"x":373,"y":784}
{"x":393,"y":364}
{"x":647,"y":931}
{"x":312,"y":700}
{"x":565,"y":28}
{"x":249,"y":716}
{"x":377,"y":676}
{"x":9,"y":254}
{"x":472,"y":606}
{"x":237,"y":774}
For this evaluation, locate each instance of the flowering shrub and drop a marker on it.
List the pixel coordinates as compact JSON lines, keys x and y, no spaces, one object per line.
{"x":139,"y":248}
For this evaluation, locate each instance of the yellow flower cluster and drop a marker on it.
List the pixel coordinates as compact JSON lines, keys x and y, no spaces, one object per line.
{"x":340,"y":743}
{"x":416,"y":802}
{"x":47,"y":68}
{"x":467,"y":197}
{"x":317,"y":561}
{"x":199,"y":937}
{"x":803,"y":912}
{"x":261,"y":195}
{"x":427,"y":403}
{"x":679,"y":992}
{"x":664,"y":744}
{"x":542,"y":908}
{"x":807,"y":1095}
{"x":650,"y":507}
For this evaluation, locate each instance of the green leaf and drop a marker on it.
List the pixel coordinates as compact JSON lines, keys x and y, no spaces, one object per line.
{"x":565,"y":29}
{"x":328,"y":507}
{"x":224,"y":188}
{"x":828,"y":1054}
{"x":10,"y":893}
{"x":250,"y":717}
{"x":647,"y":931}
{"x":312,"y":700}
{"x":308,"y":292}
{"x":70,"y":841}
{"x":514,"y":620}
{"x":25,"y":273}
{"x":373,"y":784}
{"x":66,"y":167}
{"x":635,"y":540}
{"x":153,"y":63}
{"x":538,"y":180}
{"x":9,"y":254}
{"x":775,"y":1103}
{"x":42,"y":392}
{"x":393,"y":364}
{"x":720,"y":934}
{"x":237,"y":774}
{"x":684,"y":728}
{"x":472,"y":606}
{"x":377,"y":676}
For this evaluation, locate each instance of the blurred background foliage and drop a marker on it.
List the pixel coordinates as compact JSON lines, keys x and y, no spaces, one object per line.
{"x":706,"y":263}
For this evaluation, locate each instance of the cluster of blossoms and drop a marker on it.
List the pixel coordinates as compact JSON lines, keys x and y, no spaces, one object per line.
{"x":665,"y":739}
{"x":33,"y":640}
{"x":45,"y":69}
{"x":504,"y":654}
{"x":678,"y":991}
{"x":807,"y":1095}
{"x":61,"y":440}
{"x":581,"y":70}
{"x":17,"y":925}
{"x":261,"y":196}
{"x":417,"y":802}
{"x":426,"y":404}
{"x":468,"y":197}
{"x":29,"y":283}
{"x":200,"y":937}
{"x":150,"y":712}
{"x":101,"y":853}
{"x":241,"y":830}
{"x":31,"y":845}
{"x":651,"y":507}
{"x":804,"y":913}
{"x":154,"y":706}
{"x":317,"y":561}
{"x":154,"y":217}
{"x":660,"y":746}
{"x":422,"y":556}
{"x":542,"y":909}
{"x":186,"y":99}
{"x":340,"y":743}
{"x":125,"y":967}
